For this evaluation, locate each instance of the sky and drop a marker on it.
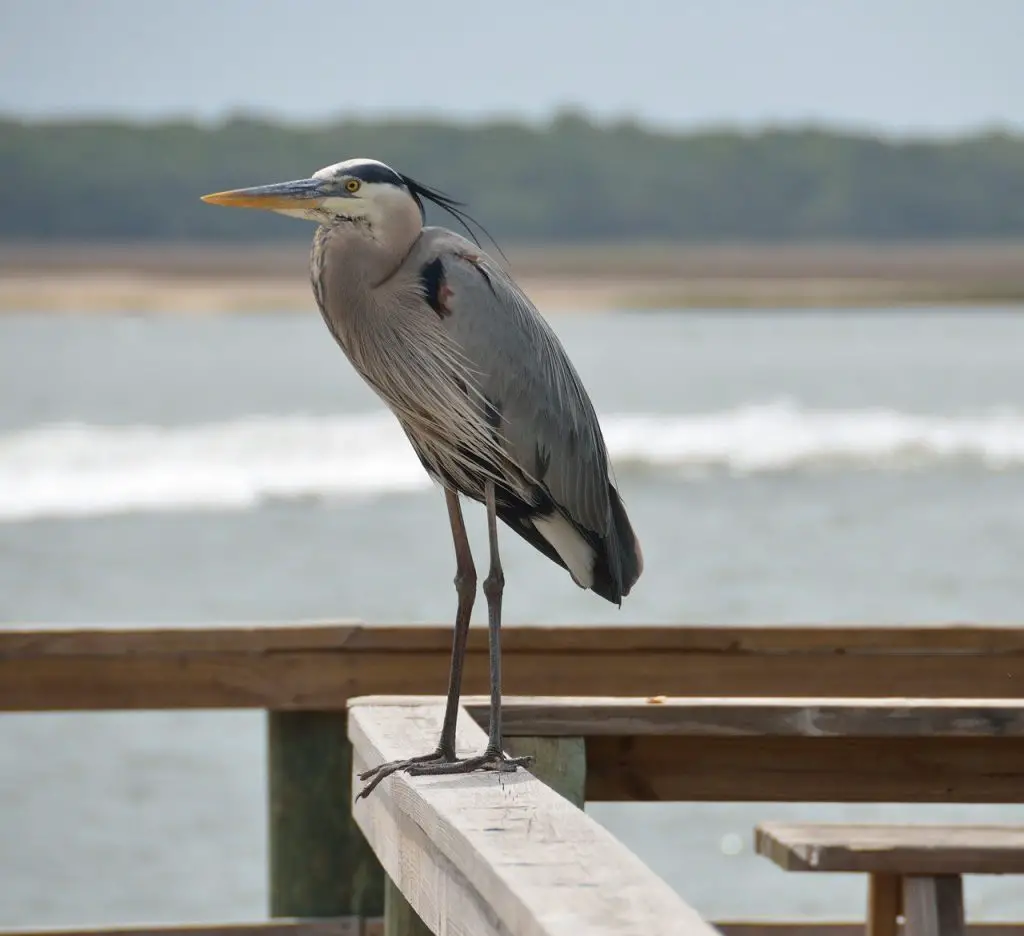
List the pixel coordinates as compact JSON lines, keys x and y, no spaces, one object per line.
{"x":900,"y":67}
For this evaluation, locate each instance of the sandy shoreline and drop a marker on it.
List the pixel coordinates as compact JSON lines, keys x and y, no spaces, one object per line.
{"x":198,"y":279}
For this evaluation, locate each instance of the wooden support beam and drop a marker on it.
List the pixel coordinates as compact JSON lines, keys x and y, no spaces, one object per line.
{"x":755,"y":717}
{"x":561,"y":763}
{"x":933,"y":906}
{"x":340,"y":926}
{"x":794,"y":928}
{"x":885,"y":904}
{"x":805,"y":769}
{"x":498,"y":854}
{"x":351,"y":927}
{"x":321,"y":666}
{"x":320,"y":864}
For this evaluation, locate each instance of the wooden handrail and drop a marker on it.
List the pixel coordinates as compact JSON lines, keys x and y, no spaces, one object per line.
{"x":499,"y":854}
{"x":661,"y":716}
{"x":321,"y":666}
{"x":782,"y":750}
{"x":948,"y":731}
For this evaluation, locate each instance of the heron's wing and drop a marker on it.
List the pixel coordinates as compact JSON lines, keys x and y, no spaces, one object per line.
{"x":543,"y":413}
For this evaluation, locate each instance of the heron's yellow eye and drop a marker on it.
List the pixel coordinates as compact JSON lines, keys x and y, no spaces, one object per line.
{"x":352,"y":185}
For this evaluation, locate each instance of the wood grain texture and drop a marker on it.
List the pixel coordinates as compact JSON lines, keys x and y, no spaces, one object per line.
{"x":810,"y":769}
{"x":375,"y":927}
{"x":339,"y":926}
{"x":322,"y":665}
{"x":803,"y":928}
{"x":918,"y":849}
{"x":885,"y":903}
{"x":500,"y":854}
{"x":773,"y":717}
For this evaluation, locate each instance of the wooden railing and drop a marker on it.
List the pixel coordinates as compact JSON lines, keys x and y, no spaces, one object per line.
{"x":873,"y":744}
{"x":303,"y":667}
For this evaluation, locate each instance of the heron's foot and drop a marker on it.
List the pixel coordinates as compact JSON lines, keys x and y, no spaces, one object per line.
{"x":495,"y":761}
{"x":440,"y":764}
{"x":381,"y":771}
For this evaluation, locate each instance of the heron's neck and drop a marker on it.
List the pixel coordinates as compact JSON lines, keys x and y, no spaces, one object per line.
{"x":366,"y":256}
{"x":354,"y":280}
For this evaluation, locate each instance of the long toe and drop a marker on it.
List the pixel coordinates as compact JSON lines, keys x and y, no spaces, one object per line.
{"x":381,"y":771}
{"x":392,"y":766}
{"x":482,"y":762}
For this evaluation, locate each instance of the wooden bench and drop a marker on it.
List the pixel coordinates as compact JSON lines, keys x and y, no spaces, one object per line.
{"x":915,"y":870}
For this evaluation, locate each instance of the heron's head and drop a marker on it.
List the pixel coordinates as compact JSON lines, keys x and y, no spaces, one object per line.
{"x":365,"y":192}
{"x":357,"y":190}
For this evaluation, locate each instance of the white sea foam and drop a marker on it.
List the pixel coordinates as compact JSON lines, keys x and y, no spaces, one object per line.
{"x":74,"y":470}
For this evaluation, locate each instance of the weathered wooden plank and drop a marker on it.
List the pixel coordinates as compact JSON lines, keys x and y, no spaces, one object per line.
{"x":339,"y":926}
{"x":120,"y":640}
{"x":793,"y":928}
{"x":321,"y":666}
{"x":810,"y":769}
{"x":885,"y":903}
{"x":492,"y":853}
{"x":919,"y":849}
{"x":320,"y":864}
{"x":775,"y":717}
{"x":375,"y":927}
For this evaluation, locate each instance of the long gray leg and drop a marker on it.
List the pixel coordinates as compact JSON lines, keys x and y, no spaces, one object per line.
{"x":465,"y":586}
{"x":494,"y":587}
{"x":493,"y":757}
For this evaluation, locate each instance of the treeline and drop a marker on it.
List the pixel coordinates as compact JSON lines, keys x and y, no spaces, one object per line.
{"x":570,"y":180}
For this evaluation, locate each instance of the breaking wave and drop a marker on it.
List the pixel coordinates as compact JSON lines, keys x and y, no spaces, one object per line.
{"x":74,"y":470}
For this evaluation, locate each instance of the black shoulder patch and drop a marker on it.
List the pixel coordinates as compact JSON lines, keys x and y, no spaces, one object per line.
{"x":474,"y":261}
{"x":435,"y":290}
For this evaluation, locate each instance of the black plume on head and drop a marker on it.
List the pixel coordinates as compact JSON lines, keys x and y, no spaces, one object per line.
{"x":449,"y":204}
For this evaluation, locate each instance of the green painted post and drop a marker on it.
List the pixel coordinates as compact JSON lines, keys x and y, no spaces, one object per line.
{"x":561,"y":763}
{"x":399,"y":917}
{"x":320,"y":864}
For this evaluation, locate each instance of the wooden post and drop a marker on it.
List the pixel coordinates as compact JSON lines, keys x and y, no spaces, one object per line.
{"x":399,"y":917}
{"x":885,"y":898}
{"x":933,"y":906}
{"x":561,"y":763}
{"x":320,"y":864}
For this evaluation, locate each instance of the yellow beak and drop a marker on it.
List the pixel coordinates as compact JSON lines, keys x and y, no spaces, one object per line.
{"x":287,"y":196}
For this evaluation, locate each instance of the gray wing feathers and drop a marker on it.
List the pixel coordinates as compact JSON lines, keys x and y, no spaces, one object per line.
{"x":548,"y":423}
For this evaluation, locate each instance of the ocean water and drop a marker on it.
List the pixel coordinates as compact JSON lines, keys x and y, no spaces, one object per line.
{"x":804,"y":467}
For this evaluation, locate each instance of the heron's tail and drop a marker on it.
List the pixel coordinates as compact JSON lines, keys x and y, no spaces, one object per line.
{"x":608,"y":565}
{"x":620,"y":561}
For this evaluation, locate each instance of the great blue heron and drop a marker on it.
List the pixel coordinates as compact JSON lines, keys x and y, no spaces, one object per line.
{"x":482,"y":388}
